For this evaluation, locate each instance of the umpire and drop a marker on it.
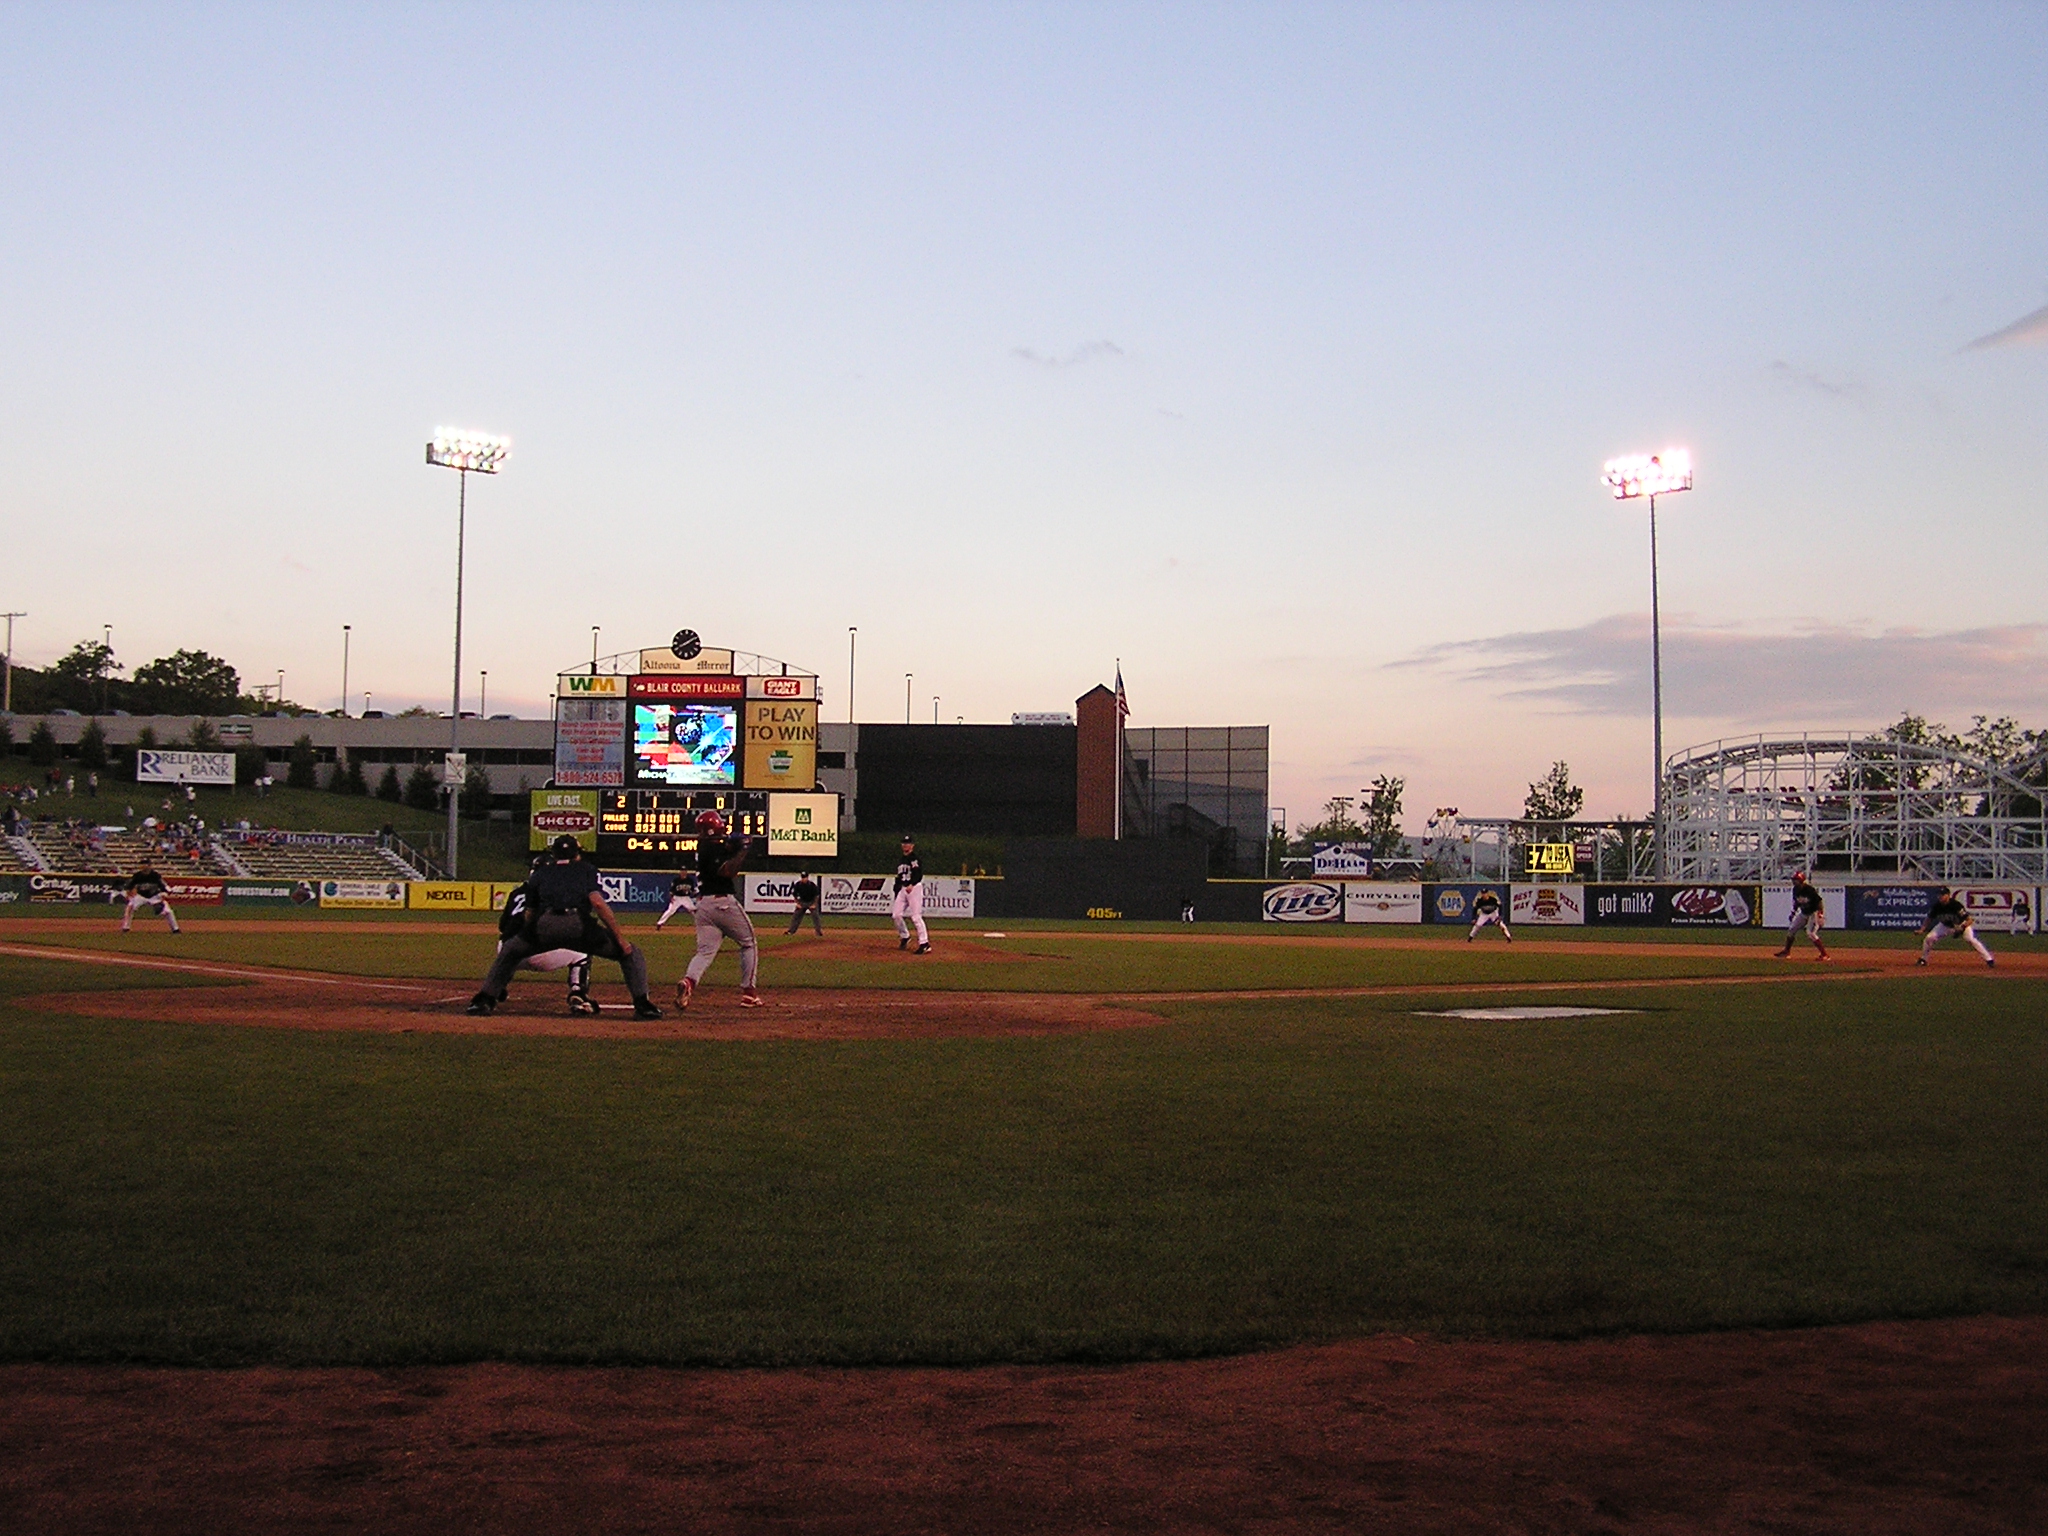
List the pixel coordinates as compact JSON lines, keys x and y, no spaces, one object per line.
{"x":566,"y":909}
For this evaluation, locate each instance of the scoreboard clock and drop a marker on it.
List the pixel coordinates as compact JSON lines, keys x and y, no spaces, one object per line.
{"x":686,"y":645}
{"x":1552,"y":859}
{"x":641,"y":828}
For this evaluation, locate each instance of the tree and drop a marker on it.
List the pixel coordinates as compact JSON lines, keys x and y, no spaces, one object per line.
{"x":186,"y":683}
{"x":422,"y":789}
{"x":145,"y":738}
{"x":476,"y":790}
{"x":81,"y":678}
{"x":1383,"y":815}
{"x":302,"y":765}
{"x":92,"y":746}
{"x":388,"y":787}
{"x":251,"y":763}
{"x":347,"y":779}
{"x":1554,"y":797}
{"x":203,"y":737}
{"x":42,"y":745}
{"x":6,"y":737}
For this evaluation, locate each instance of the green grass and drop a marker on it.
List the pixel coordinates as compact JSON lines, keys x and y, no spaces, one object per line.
{"x":1247,"y":1175}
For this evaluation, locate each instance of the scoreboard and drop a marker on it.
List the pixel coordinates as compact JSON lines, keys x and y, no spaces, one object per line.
{"x":639,"y":828}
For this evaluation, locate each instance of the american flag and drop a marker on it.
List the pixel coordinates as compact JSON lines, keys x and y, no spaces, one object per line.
{"x":1123,"y":705}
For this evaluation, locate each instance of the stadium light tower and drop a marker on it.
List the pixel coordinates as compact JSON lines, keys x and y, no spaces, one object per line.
{"x":466,"y":453}
{"x":1632,"y":476}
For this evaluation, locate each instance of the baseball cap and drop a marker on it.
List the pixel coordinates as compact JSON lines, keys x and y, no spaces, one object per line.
{"x":566,"y":847}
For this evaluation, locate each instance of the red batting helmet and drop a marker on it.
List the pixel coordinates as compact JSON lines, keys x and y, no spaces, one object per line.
{"x":710,"y":821}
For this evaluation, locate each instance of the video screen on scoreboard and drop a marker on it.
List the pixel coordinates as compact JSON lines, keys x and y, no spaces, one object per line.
{"x":685,"y":743}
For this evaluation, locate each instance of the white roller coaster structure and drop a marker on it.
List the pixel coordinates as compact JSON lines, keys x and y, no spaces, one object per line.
{"x":1857,"y":805}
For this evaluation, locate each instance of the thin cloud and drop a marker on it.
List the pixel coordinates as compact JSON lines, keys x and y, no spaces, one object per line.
{"x":1820,"y":677}
{"x":1808,"y":379}
{"x":1087,"y":352}
{"x":2028,"y":330}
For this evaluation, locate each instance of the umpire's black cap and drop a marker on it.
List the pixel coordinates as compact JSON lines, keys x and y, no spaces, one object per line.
{"x":566,"y":847}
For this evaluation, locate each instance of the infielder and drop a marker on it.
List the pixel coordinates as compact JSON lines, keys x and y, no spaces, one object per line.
{"x":719,"y":913}
{"x":146,"y":889}
{"x":1809,"y":916}
{"x":513,"y":919}
{"x":1948,"y":918}
{"x":566,"y":909}
{"x":682,"y":896}
{"x":1486,"y":910}
{"x":906,"y":907}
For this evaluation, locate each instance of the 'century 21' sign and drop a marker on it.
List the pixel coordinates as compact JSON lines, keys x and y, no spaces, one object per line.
{"x":586,"y":685}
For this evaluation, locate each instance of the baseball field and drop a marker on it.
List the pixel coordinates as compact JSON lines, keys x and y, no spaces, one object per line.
{"x":1139,"y":1229}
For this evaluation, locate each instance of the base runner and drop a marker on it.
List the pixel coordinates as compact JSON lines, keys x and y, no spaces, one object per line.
{"x":146,"y":889}
{"x":719,"y":913}
{"x":1485,"y":912}
{"x":1948,"y":918}
{"x":1809,"y":916}
{"x":906,"y":907}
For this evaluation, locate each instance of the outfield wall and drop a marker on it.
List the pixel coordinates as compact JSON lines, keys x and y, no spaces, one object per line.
{"x":1862,"y":908}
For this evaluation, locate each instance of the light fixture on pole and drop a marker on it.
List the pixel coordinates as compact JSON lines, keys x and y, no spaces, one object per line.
{"x":852,"y":635}
{"x":906,"y":698}
{"x":593,"y":648}
{"x":280,"y":688}
{"x":7,"y":704}
{"x":466,"y":453}
{"x":1630,"y":477}
{"x":366,"y":701}
{"x":935,"y":709}
{"x":344,"y":670}
{"x":483,"y":695}
{"x":106,"y":665}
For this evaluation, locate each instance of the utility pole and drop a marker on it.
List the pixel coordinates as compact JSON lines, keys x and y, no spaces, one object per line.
{"x":7,"y":705}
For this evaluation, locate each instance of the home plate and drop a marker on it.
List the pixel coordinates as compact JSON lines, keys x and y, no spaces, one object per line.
{"x":1522,"y":1013}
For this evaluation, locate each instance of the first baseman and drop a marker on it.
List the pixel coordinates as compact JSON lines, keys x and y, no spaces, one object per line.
{"x":1948,"y":918}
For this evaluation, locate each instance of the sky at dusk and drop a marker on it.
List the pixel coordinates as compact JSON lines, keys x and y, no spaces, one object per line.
{"x":1273,"y":349}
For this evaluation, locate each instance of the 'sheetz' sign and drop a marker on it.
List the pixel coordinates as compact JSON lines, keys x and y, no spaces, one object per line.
{"x":558,"y":812}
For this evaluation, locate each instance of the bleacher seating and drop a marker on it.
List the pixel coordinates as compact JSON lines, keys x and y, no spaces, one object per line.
{"x":89,"y":850}
{"x":11,"y":861}
{"x":316,"y":861}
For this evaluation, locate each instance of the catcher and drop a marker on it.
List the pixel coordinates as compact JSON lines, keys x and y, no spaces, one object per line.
{"x":566,"y":909}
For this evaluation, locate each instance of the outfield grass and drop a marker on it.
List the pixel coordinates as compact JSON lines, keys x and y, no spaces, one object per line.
{"x":1248,"y":1175}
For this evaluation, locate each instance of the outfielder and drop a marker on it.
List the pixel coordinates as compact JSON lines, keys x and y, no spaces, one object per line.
{"x":906,"y":907}
{"x":719,"y":913}
{"x":513,"y":920}
{"x":1486,"y":910}
{"x":146,"y":889}
{"x":566,"y":909}
{"x":682,"y":896}
{"x":1809,"y":916}
{"x":1948,"y":918}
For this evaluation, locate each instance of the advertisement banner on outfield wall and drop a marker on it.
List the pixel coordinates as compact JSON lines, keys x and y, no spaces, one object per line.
{"x":1834,"y":906}
{"x":269,"y":893}
{"x":1303,"y":901}
{"x":1999,"y":908}
{"x":69,"y":889}
{"x":768,"y":893}
{"x":635,"y":890}
{"x":1453,"y":903}
{"x":363,"y":894}
{"x":870,"y":895}
{"x":1382,"y":902}
{"x":1332,"y":861}
{"x":448,"y":895}
{"x":1889,"y":908}
{"x":195,"y":890}
{"x":1547,"y":906}
{"x":1674,"y":906}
